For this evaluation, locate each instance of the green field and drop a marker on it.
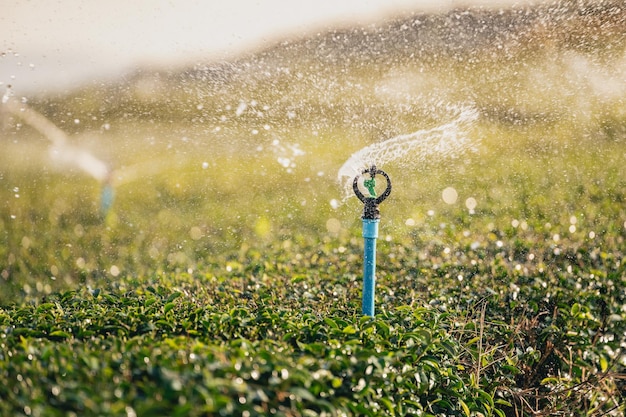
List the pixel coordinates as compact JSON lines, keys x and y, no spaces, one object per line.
{"x":223,"y":282}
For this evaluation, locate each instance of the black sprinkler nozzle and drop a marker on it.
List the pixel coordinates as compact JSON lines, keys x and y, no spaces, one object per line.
{"x":371,"y":210}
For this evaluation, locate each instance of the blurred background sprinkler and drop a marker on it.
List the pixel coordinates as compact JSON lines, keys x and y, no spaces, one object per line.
{"x":64,"y":152}
{"x":371,"y":217}
{"x":61,"y":148}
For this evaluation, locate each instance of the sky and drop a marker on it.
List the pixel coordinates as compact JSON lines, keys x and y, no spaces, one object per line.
{"x":48,"y":46}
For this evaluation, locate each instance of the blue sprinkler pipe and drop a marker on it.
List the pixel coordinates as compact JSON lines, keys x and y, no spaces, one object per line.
{"x":371,"y":218}
{"x":107,"y":195}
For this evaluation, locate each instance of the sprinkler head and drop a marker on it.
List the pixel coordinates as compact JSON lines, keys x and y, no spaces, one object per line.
{"x":370,"y":210}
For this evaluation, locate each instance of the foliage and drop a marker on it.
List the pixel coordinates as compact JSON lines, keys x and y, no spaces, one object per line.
{"x":223,"y":283}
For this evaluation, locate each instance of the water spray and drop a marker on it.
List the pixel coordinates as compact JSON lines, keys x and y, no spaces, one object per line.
{"x":371,"y":217}
{"x":449,"y":140}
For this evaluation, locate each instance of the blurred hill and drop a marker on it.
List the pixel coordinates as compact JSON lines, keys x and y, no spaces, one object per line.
{"x":331,"y":69}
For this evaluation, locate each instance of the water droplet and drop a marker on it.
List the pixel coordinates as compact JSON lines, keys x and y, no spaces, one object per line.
{"x":285,"y":162}
{"x":333,"y":225}
{"x":7,"y":95}
{"x":195,"y":233}
{"x":286,"y":154}
{"x":449,"y":195}
{"x":241,"y":108}
{"x":130,"y":412}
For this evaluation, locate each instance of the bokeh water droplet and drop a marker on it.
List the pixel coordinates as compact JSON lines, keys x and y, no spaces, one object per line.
{"x":449,"y":195}
{"x":471,"y":204}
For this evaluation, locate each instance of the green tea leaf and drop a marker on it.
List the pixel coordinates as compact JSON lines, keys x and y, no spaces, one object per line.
{"x":465,"y":408}
{"x":350,"y":329}
{"x":60,"y":334}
